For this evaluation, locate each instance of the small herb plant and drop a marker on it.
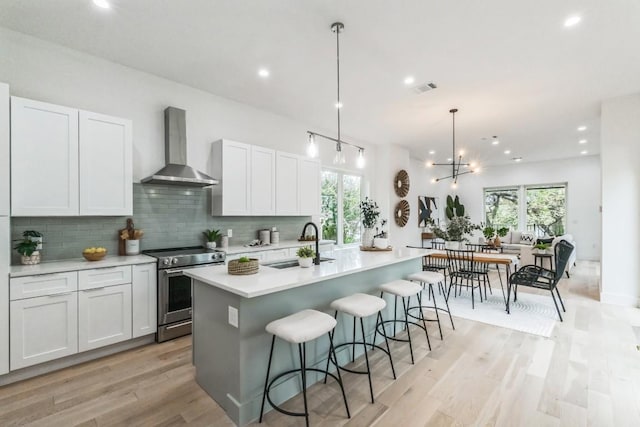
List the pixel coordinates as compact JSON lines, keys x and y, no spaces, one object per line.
{"x":211,"y":235}
{"x":244,"y":259}
{"x":306,"y":252}
{"x":26,"y":247}
{"x":370,"y":212}
{"x":542,"y":246}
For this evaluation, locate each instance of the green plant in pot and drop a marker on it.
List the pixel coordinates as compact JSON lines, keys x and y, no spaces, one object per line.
{"x":27,"y":249}
{"x":306,"y":254}
{"x":489,"y":233}
{"x":34,"y":236}
{"x":369,"y":212}
{"x":456,"y":230}
{"x":500,"y":232}
{"x":541,"y":247}
{"x":212,"y":237}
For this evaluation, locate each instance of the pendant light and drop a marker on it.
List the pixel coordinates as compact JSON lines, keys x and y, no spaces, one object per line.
{"x":455,"y":165}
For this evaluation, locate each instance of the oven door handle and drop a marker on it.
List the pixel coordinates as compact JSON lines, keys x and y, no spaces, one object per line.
{"x":173,"y":272}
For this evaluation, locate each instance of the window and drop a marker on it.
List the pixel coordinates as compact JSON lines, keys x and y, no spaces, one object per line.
{"x":341,"y":207}
{"x":540,"y":209}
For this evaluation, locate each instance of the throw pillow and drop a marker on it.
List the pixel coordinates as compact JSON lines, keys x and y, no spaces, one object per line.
{"x":527,"y":238}
{"x":516,"y":236}
{"x":506,"y":238}
{"x":547,"y":240}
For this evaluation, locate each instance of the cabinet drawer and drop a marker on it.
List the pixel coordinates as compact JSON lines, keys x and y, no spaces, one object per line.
{"x":102,"y":277}
{"x":276,"y":254}
{"x":44,"y":284}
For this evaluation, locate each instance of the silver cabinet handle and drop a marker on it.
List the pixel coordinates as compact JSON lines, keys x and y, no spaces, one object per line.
{"x":93,"y":289}
{"x":179,"y":325}
{"x":60,"y":294}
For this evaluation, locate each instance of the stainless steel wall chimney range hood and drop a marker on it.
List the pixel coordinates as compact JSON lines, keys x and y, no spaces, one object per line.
{"x":176,"y":171}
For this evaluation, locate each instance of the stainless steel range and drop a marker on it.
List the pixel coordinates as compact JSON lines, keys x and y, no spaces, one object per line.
{"x":175,"y":288}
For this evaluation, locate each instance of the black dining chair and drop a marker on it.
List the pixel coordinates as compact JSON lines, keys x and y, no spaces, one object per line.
{"x":542,"y":278}
{"x":482,"y":268}
{"x":463,"y":271}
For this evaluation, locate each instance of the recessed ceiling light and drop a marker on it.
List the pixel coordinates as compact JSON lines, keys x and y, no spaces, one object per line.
{"x":582,"y":128}
{"x":102,"y":4}
{"x":409,"y":80}
{"x":338,"y":104}
{"x":572,"y":20}
{"x":582,"y":141}
{"x":507,"y":151}
{"x":584,"y":152}
{"x":517,"y":159}
{"x":449,"y":159}
{"x":263,"y":72}
{"x":432,"y":152}
{"x":495,"y":142}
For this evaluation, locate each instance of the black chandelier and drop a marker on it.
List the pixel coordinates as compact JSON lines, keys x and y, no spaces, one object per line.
{"x":455,"y":165}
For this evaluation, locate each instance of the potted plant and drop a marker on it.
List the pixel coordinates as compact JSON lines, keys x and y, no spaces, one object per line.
{"x":27,"y":250}
{"x":489,"y":232}
{"x":380,"y":240}
{"x":456,"y":230}
{"x":306,"y":254}
{"x":212,"y":237}
{"x":541,"y":248}
{"x":500,"y":232}
{"x":34,"y":236}
{"x":369,"y":212}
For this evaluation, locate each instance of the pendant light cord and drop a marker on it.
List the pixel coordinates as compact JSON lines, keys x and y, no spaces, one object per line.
{"x":339,"y":106}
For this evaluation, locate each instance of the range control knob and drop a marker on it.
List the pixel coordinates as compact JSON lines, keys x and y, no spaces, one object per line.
{"x":166,"y":261}
{"x":174,"y":261}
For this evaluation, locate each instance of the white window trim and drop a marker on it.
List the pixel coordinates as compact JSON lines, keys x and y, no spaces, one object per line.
{"x":340,"y":188}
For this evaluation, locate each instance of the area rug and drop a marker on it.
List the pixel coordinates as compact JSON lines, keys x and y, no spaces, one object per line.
{"x":534,"y":314}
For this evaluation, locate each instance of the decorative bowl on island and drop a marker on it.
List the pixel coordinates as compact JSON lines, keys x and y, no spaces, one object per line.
{"x":94,"y":253}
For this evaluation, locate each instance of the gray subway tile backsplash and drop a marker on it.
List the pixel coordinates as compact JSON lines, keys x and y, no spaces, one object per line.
{"x":170,"y":217}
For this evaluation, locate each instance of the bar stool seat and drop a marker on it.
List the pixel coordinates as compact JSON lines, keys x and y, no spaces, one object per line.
{"x":303,"y":326}
{"x":300,"y":328}
{"x":405,"y":290}
{"x":432,"y":277}
{"x":359,"y":305}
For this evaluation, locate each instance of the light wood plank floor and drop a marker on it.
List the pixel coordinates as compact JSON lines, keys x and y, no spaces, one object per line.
{"x":586,"y":374}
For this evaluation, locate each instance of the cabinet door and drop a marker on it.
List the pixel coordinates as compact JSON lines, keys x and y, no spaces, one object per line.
{"x":44,"y":159}
{"x":263,"y":181}
{"x":4,"y":294}
{"x":144,"y":304}
{"x":236,"y":159}
{"x":287,"y":192}
{"x":43,"y":329}
{"x":104,"y":316}
{"x":4,"y":150}
{"x":105,"y":165}
{"x":309,"y":179}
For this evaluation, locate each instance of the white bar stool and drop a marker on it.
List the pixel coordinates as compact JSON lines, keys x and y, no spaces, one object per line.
{"x":360,"y":306}
{"x":300,"y":328}
{"x":403,"y":289}
{"x":431,"y":278}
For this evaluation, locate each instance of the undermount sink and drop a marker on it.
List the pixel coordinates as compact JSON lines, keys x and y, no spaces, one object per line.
{"x":291,"y":263}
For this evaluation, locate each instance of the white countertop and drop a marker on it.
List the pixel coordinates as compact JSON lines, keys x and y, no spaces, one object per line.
{"x":270,"y":280}
{"x":285,"y":244}
{"x":74,"y":264}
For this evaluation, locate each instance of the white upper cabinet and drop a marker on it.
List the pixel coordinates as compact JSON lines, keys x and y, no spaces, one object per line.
{"x":4,"y":149}
{"x":287,"y":184}
{"x":263,"y":181}
{"x":66,"y":162}
{"x":105,"y":165}
{"x":44,"y":159}
{"x":231,"y":166}
{"x":309,"y":186}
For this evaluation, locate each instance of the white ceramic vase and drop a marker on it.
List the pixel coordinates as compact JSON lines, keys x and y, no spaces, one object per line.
{"x":381,"y":242}
{"x":211,"y":245}
{"x":367,"y":237}
{"x":453,"y":244}
{"x":305,"y":262}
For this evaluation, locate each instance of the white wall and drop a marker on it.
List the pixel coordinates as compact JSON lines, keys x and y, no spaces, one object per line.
{"x":620,"y":151}
{"x":47,"y":72}
{"x":582,"y":176}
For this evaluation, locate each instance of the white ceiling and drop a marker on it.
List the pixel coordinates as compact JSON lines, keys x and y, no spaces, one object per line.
{"x":511,"y":67}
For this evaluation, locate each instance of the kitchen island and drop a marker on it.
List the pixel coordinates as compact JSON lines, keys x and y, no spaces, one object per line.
{"x":230,"y":345}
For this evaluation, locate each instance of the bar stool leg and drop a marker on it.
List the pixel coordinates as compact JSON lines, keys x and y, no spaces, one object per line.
{"x":386,"y":341}
{"x":333,"y":351}
{"x":366,"y":358}
{"x":266,"y":381}
{"x":353,"y":346}
{"x":424,"y":322}
{"x":435,"y":306}
{"x":406,"y":324}
{"x":446,"y":301}
{"x":302,"y":353}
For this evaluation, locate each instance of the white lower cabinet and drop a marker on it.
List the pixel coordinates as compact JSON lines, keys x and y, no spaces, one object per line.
{"x":43,"y":328}
{"x":104,"y":316}
{"x":143,"y":297}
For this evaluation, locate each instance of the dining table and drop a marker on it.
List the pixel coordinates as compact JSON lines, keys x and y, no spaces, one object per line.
{"x":497,"y":259}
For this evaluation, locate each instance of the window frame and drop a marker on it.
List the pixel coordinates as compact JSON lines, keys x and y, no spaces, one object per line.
{"x":522,"y":200}
{"x":340,"y":202}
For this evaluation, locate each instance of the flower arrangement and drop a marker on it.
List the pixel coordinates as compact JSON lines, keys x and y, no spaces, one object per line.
{"x":370,"y":212}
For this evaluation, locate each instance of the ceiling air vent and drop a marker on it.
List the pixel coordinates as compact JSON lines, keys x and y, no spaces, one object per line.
{"x":424,"y":87}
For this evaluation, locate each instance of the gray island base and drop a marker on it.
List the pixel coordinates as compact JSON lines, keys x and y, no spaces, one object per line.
{"x":231,"y":362}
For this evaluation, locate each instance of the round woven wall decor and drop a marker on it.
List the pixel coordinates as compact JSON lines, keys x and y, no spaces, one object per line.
{"x":401,"y":183}
{"x":401,"y":213}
